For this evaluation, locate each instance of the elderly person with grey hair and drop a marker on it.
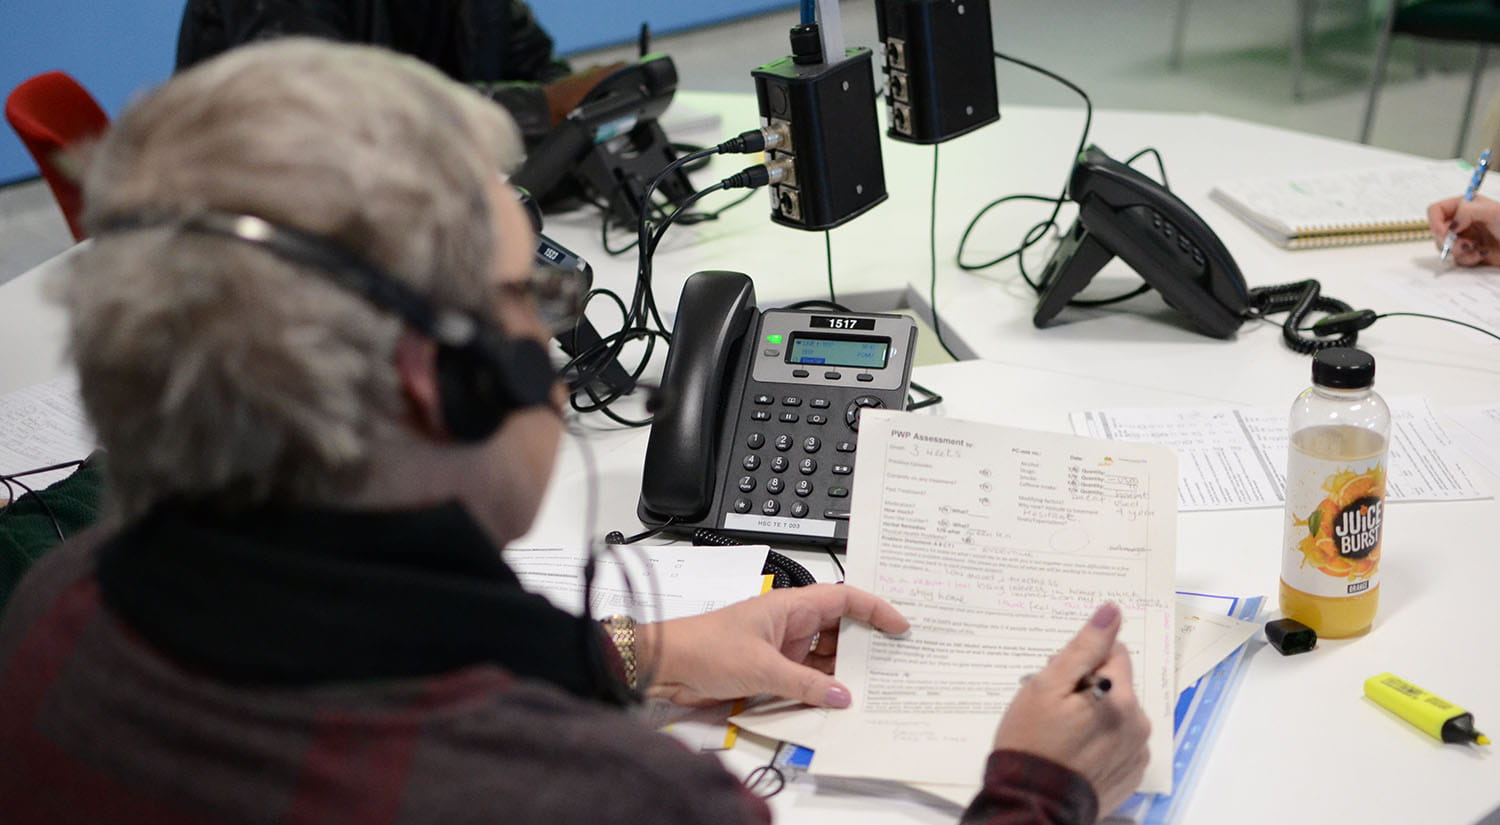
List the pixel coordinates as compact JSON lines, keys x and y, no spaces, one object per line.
{"x":309,"y":335}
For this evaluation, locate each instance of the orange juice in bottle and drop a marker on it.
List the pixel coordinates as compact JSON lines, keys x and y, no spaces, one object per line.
{"x":1335,"y":497}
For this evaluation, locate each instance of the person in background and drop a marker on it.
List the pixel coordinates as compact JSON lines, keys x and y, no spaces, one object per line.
{"x":307,"y":278}
{"x":1477,"y":223}
{"x":495,"y":46}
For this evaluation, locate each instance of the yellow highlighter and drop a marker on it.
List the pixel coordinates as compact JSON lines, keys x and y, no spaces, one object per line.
{"x":1436,"y":717}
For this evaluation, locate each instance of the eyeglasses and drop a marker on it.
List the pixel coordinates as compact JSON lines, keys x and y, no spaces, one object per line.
{"x":556,"y":293}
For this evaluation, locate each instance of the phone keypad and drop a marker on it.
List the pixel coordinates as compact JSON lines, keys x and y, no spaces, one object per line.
{"x":811,"y":460}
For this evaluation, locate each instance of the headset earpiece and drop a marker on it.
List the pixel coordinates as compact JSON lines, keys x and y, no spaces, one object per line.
{"x":477,"y":387}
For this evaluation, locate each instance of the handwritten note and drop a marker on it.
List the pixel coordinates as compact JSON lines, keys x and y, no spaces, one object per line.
{"x":997,"y":544}
{"x":41,"y":425}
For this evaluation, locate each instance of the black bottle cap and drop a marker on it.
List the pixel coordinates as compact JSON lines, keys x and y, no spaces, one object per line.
{"x":1290,"y":636}
{"x":807,"y":47}
{"x":1343,"y":368}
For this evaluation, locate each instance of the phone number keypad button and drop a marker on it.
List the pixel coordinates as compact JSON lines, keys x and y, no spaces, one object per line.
{"x":755,"y":441}
{"x":811,"y":444}
{"x":771,"y":507}
{"x":742,"y":505}
{"x":751,"y":463}
{"x":779,"y":464}
{"x":807,"y":466}
{"x":775,"y":486}
{"x":784,"y":442}
{"x":804,"y":488}
{"x":798,"y":509}
{"x":747,"y":483}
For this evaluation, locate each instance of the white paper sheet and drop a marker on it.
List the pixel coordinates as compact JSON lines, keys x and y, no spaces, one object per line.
{"x":1235,"y":458}
{"x":665,"y":581}
{"x":1469,"y":295}
{"x":1478,"y":433}
{"x":41,"y":425}
{"x":1204,"y":638}
{"x":997,"y":544}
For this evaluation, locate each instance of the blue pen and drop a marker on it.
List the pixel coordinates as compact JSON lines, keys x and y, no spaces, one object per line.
{"x":1479,"y":170}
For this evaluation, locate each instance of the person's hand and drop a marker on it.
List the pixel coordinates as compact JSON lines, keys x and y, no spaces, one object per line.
{"x":1102,"y":738}
{"x":565,"y":93}
{"x":765,"y":645}
{"x":1477,"y":223}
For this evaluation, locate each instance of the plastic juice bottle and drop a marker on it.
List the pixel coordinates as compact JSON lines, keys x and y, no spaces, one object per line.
{"x":1335,"y":497}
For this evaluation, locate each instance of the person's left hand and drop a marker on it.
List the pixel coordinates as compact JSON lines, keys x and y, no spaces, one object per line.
{"x":764,"y":645}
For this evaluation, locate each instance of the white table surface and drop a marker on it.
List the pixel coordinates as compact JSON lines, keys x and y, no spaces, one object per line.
{"x":1300,"y":744}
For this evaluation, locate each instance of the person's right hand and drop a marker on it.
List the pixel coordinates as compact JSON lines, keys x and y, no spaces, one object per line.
{"x":1102,"y":738}
{"x":1477,"y":223}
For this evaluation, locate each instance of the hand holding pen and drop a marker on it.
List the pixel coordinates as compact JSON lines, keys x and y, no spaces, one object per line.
{"x":1450,"y":208}
{"x":1065,"y":712}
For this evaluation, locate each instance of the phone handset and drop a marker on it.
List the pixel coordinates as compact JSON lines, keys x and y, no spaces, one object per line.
{"x":715,"y":313}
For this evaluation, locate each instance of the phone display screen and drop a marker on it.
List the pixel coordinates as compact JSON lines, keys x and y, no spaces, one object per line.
{"x":864,"y":351}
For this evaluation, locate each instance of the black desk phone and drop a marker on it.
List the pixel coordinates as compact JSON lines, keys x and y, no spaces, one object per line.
{"x":1122,"y":212}
{"x":759,"y":415}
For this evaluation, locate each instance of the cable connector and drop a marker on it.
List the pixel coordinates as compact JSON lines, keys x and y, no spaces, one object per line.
{"x":755,"y":140}
{"x":1344,"y":322}
{"x":754,"y":177}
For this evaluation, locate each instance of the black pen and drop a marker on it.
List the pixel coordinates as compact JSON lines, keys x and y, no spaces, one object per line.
{"x":1095,"y":684}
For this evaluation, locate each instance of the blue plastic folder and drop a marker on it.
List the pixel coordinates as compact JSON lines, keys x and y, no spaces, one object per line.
{"x":1200,"y":709}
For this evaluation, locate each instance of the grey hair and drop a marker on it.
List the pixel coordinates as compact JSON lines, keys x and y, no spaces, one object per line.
{"x":215,"y":371}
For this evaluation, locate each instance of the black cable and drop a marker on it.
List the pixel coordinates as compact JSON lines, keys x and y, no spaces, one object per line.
{"x":1039,"y":231}
{"x":1438,"y":318}
{"x":836,"y":563}
{"x":15,"y":478}
{"x":937,"y":324}
{"x":696,"y":218}
{"x":1297,"y":299}
{"x":46,"y":508}
{"x":833,"y":297}
{"x":931,"y":400}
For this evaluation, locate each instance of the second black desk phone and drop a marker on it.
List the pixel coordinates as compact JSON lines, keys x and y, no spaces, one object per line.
{"x":759,"y":416}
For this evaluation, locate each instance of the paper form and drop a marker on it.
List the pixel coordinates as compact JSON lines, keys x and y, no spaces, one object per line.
{"x":1235,"y":458}
{"x":665,"y":581}
{"x":1478,"y":433}
{"x":1466,"y":295}
{"x":43,"y":424}
{"x":997,"y":544}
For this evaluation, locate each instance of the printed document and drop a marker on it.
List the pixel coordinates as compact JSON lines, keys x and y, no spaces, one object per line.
{"x":998,"y":544}
{"x":1233,"y":458}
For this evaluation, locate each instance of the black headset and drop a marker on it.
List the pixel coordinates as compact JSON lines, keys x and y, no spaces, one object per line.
{"x":483,"y":375}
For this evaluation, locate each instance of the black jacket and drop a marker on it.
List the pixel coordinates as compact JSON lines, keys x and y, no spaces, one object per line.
{"x":497,"y":46}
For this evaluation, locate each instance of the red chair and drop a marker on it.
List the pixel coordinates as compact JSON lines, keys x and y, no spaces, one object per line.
{"x":52,"y":112}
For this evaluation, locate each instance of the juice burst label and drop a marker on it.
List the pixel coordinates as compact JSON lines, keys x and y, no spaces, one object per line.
{"x":1334,"y":514}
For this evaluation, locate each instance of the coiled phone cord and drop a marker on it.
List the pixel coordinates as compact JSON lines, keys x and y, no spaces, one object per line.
{"x":1297,"y":299}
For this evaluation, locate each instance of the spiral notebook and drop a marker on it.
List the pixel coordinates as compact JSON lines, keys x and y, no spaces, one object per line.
{"x":1378,"y":205}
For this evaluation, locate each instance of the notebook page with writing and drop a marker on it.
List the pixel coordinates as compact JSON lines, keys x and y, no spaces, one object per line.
{"x":998,"y":544}
{"x":1334,"y":208}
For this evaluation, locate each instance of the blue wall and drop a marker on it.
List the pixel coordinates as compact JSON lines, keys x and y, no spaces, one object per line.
{"x":114,"y":47}
{"x":117,"y":48}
